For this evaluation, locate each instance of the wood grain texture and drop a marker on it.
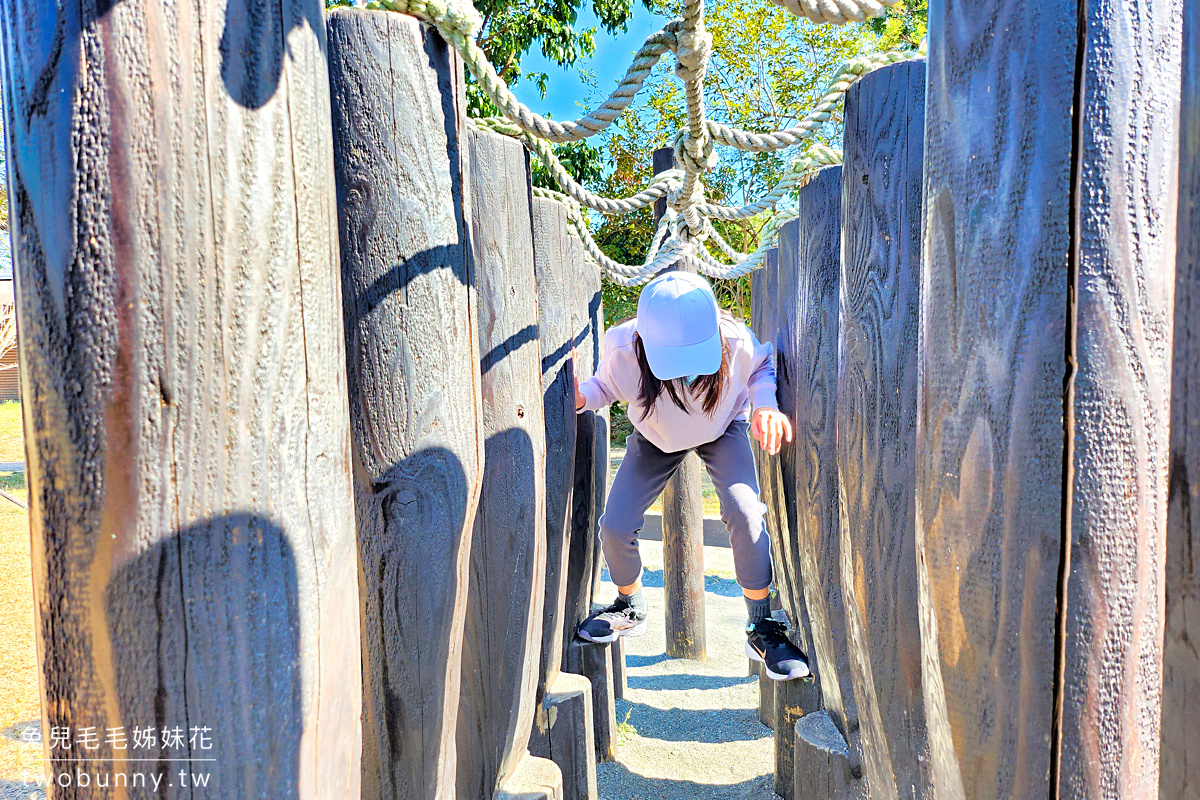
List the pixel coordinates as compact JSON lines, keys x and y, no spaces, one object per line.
{"x":503,"y":635}
{"x":556,"y":328}
{"x":563,"y":734}
{"x":809,"y":259}
{"x":823,"y":766}
{"x":791,"y":700}
{"x":877,"y":421}
{"x":994,"y":299}
{"x":1119,"y":402}
{"x":1180,"y":759}
{"x":183,"y":387}
{"x":533,"y":779}
{"x":592,"y":661}
{"x":413,"y":355}
{"x":773,"y":321}
{"x":683,"y":561}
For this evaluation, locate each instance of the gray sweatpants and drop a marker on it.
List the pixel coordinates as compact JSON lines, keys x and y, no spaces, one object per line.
{"x":641,"y":478}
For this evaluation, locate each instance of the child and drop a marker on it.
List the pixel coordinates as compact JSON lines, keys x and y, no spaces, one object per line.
{"x":690,"y":375}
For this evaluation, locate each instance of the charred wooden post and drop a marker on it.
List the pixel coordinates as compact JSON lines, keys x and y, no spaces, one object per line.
{"x":1042,"y":424}
{"x":592,"y":661}
{"x":877,"y":421}
{"x":503,"y":636}
{"x":683,"y":529}
{"x":563,"y":726}
{"x":1181,"y":659}
{"x":183,"y":386}
{"x":413,"y":356}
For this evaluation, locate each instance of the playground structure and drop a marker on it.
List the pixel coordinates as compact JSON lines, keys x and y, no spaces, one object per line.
{"x":296,"y":345}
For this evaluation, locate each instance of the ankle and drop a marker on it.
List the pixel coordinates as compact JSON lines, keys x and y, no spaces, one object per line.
{"x":635,"y":600}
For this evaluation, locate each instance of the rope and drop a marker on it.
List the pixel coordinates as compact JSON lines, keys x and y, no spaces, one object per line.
{"x":837,"y":12}
{"x":683,"y":231}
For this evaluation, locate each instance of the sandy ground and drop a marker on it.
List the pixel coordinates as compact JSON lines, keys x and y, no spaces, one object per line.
{"x":690,"y":730}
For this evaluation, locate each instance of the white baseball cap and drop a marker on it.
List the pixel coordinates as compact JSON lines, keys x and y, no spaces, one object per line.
{"x":679,"y":324}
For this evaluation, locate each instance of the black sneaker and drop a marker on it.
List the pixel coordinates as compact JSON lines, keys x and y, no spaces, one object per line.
{"x":619,"y":619}
{"x":767,"y":643}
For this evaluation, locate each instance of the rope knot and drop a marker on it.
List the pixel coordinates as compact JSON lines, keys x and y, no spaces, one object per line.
{"x":692,"y":48}
{"x":459,"y":16}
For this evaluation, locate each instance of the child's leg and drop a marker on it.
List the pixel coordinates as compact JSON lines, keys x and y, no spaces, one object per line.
{"x":641,"y":477}
{"x":730,"y":462}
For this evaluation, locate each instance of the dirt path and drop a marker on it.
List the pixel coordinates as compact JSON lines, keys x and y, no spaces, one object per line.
{"x":691,"y":729}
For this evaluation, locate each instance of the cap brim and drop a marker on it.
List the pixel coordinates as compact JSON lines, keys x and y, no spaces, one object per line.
{"x":701,"y":358}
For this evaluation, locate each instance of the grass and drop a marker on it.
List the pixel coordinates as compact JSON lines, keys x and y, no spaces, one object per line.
{"x":18,"y":646}
{"x":12,"y":439}
{"x":625,"y":731}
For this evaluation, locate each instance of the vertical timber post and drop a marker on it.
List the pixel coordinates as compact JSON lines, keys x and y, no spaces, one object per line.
{"x":1181,"y":653}
{"x":1050,"y":203}
{"x":503,"y":637}
{"x":683,"y":529}
{"x":413,"y":355}
{"x":564,"y":728}
{"x":877,"y":421}
{"x":183,"y":387}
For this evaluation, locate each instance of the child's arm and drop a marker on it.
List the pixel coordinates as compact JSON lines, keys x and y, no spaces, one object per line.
{"x":597,"y":391}
{"x":768,"y":424}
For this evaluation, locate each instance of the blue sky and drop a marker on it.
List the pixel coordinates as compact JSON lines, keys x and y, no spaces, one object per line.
{"x":613,"y":56}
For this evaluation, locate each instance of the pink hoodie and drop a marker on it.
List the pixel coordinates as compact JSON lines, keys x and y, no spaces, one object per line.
{"x":751,"y":384}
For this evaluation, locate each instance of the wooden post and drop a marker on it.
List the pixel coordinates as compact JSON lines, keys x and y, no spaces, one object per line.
{"x":683,"y":529}
{"x":824,"y":766}
{"x":563,"y":727}
{"x":807,"y":289}
{"x":503,"y":636}
{"x":1050,"y":200}
{"x":877,"y":421}
{"x":1181,"y":656}
{"x":592,"y":661}
{"x":183,"y":390}
{"x":413,"y":356}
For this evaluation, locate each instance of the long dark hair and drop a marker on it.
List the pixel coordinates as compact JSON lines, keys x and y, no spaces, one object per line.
{"x":707,"y":387}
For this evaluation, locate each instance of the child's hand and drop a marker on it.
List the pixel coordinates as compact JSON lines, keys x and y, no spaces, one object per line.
{"x":580,"y":400}
{"x":770,"y":427}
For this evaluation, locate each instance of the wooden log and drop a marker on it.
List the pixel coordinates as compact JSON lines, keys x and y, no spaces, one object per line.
{"x":556,"y":328}
{"x":777,"y":474}
{"x":592,"y":661}
{"x":183,"y":389}
{"x":876,"y":421}
{"x":766,"y":699}
{"x":413,"y":356}
{"x":1181,"y":658}
{"x":503,"y":634}
{"x":823,"y":765}
{"x":1122,"y":271}
{"x":809,"y":259}
{"x":792,"y":700}
{"x":1045,"y":324}
{"x":563,"y":733}
{"x":533,"y":779}
{"x":683,"y":528}
{"x":990,"y":404}
{"x":561,"y":727}
{"x":620,"y":676}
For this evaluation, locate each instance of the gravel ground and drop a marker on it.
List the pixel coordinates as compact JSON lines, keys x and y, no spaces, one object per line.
{"x":691,"y":729}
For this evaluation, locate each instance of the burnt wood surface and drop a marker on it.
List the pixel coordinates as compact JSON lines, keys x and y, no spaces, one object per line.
{"x":183,"y":387}
{"x":1181,"y":653}
{"x":1118,"y":443}
{"x":503,"y":635}
{"x":563,"y":733}
{"x":413,"y":356}
{"x":877,"y":421}
{"x":556,"y":327}
{"x":809,"y":259}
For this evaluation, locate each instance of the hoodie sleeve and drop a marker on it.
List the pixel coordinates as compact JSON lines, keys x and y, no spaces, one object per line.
{"x":762,"y":375}
{"x":599,"y":390}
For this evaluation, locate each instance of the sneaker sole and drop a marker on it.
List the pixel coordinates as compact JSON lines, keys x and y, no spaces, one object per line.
{"x":798,"y":672}
{"x":636,"y":630}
